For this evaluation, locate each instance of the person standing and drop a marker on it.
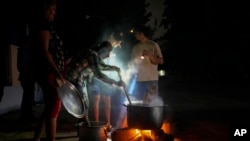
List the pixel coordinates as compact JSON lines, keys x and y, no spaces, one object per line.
{"x":27,"y":79}
{"x":49,"y":60}
{"x":101,"y":84}
{"x":145,"y":58}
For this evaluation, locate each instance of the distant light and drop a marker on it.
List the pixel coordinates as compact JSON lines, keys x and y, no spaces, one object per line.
{"x":132,"y":30}
{"x":142,"y":57}
{"x":162,"y":72}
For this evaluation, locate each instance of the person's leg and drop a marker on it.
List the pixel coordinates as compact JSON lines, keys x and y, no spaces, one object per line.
{"x":51,"y":109}
{"x":51,"y":113}
{"x":51,"y":124}
{"x":140,"y":90}
{"x":107,"y":104}
{"x":93,"y":90}
{"x":40,"y":128}
{"x":27,"y":99}
{"x":151,"y":93}
{"x":41,"y":123}
{"x":96,"y":107}
{"x":107,"y":91}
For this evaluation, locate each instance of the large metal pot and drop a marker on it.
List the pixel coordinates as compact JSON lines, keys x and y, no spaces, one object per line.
{"x":144,"y":117}
{"x":95,"y":132}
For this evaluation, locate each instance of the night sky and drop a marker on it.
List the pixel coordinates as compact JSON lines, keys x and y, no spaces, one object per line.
{"x":208,"y":40}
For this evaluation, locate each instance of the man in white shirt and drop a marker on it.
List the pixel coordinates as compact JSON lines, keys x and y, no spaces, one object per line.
{"x":146,"y":55}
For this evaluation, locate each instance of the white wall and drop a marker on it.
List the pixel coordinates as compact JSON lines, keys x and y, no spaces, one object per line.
{"x":11,"y":99}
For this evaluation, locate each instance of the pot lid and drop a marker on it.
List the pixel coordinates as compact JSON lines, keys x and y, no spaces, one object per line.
{"x":71,"y":99}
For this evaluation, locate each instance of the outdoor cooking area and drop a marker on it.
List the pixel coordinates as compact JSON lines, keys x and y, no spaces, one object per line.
{"x":188,"y":118}
{"x":133,"y":119}
{"x":144,"y":123}
{"x":147,"y":132}
{"x":159,"y":121}
{"x":131,"y":70}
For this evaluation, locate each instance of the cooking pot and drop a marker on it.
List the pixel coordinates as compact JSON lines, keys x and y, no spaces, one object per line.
{"x":95,"y":132}
{"x":145,"y":117}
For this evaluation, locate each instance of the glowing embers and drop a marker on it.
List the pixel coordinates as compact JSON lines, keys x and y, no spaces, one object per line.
{"x":129,"y":134}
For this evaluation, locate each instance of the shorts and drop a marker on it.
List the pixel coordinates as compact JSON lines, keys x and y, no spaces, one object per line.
{"x":98,"y":87}
{"x":143,"y":88}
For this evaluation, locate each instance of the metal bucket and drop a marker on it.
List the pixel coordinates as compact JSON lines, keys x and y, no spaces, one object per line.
{"x":95,"y":132}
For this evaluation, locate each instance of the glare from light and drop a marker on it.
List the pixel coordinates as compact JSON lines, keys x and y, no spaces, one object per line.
{"x":132,"y":86}
{"x":161,"y":73}
{"x":132,"y":31}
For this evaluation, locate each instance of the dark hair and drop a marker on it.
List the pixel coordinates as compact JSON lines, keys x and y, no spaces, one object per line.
{"x":147,"y":31}
{"x":118,"y":33}
{"x":103,"y":44}
{"x":38,"y":7}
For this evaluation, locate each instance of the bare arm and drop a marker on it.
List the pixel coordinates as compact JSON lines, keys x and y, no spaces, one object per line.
{"x":100,"y":65}
{"x":154,"y":59}
{"x":155,"y":56}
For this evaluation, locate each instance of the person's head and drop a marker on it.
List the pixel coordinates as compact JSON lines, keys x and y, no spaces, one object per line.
{"x":114,"y":40}
{"x":141,"y":32}
{"x":114,"y":34}
{"x":104,"y":49}
{"x":47,"y":9}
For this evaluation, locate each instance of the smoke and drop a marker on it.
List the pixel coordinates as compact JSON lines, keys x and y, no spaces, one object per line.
{"x":156,"y":101}
{"x":128,"y":73}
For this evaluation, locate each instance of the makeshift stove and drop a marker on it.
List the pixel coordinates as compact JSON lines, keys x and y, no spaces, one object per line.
{"x":137,"y":123}
{"x":132,"y":134}
{"x":145,"y":121}
{"x":142,"y":123}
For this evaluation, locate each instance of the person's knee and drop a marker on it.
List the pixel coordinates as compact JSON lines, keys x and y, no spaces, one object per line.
{"x":106,"y":100}
{"x":53,"y":111}
{"x":96,"y":100}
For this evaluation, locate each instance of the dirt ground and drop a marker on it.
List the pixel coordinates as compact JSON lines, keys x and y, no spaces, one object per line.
{"x":195,"y":113}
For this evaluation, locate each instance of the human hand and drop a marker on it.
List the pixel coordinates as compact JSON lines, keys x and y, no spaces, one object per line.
{"x":147,"y":53}
{"x":60,"y":80}
{"x":121,"y":84}
{"x":116,"y":69}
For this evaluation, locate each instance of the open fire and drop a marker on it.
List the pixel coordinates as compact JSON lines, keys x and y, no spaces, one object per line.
{"x":137,"y":126}
{"x":130,"y":134}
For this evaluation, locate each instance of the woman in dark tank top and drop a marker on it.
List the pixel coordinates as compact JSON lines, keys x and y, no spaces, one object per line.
{"x":49,"y":65}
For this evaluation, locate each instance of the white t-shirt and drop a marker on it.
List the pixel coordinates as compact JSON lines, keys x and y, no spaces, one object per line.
{"x":146,"y":71}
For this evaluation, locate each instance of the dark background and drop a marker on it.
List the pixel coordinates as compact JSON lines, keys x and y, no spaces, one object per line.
{"x":208,"y":40}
